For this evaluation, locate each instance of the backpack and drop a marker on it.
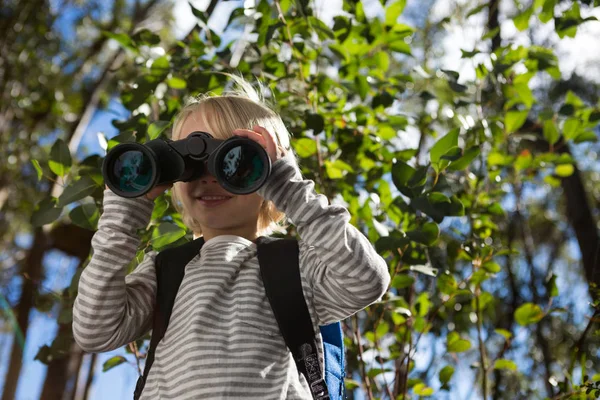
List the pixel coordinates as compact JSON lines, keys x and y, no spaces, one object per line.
{"x":284,"y":290}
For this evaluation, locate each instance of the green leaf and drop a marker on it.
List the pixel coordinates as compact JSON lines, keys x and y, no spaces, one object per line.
{"x":165,"y":234}
{"x":335,"y":170}
{"x":402,"y":281}
{"x":38,"y":169}
{"x":351,"y":384}
{"x":524,"y":160}
{"x":507,"y":335}
{"x":514,"y":120}
{"x":305,"y":147}
{"x":528,"y":313}
{"x":60,"y":158}
{"x":456,"y":344}
{"x":85,"y":216}
{"x":160,"y":67}
{"x":373,"y":372}
{"x":490,"y":34}
{"x":147,"y":37}
{"x":386,"y":132}
{"x":156,"y":128}
{"x":384,"y":99}
{"x":571,"y":128}
{"x":84,"y":187}
{"x":393,"y":11}
{"x":419,"y":178}
{"x":586,"y":136}
{"x":522,"y":20}
{"x":316,"y":122}
{"x":492,"y":267}
{"x":420,"y":389}
{"x":547,"y":11}
{"x":446,"y":283}
{"x":123,"y":39}
{"x":564,"y":170}
{"x":45,"y":212}
{"x":452,"y":154}
{"x":176,"y":83}
{"x":467,"y":158}
{"x":551,"y":132}
{"x":446,"y":374}
{"x":362,"y":86}
{"x":438,"y":206}
{"x":113,"y":362}
{"x":477,"y":10}
{"x":469,"y":54}
{"x":551,"y":286}
{"x":401,"y":173}
{"x":427,"y":234}
{"x":400,"y":46}
{"x":505,"y":364}
{"x":445,"y":143}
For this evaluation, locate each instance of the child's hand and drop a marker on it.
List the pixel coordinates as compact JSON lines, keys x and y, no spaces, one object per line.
{"x":266,"y":139}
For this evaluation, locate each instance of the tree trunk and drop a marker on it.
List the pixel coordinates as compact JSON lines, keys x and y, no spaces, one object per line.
{"x":579,"y":214}
{"x":62,"y":372}
{"x":90,"y":376}
{"x":31,"y":279}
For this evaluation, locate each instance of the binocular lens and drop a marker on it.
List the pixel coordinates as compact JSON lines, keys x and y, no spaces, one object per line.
{"x":242,"y":166}
{"x":132,"y":171}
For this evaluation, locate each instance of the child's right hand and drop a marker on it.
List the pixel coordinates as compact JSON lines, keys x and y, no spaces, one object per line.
{"x":155,"y":192}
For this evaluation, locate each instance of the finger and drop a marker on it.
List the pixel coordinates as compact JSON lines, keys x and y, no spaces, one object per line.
{"x":270,"y":140}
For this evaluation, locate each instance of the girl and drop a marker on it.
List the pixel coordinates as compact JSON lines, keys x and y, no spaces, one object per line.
{"x":223,"y":341}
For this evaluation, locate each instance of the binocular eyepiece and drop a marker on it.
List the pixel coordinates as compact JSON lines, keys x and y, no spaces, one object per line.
{"x":240,"y":165}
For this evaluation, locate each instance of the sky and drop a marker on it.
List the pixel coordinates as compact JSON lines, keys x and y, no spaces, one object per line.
{"x":574,"y":55}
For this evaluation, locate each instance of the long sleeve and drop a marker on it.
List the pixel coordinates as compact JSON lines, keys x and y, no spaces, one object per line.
{"x":340,"y":264}
{"x":112,"y":308}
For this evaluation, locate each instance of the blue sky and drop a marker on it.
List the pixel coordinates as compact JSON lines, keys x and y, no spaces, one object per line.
{"x":119,"y":382}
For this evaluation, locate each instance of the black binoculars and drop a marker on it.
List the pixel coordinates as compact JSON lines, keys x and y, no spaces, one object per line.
{"x":240,"y":165}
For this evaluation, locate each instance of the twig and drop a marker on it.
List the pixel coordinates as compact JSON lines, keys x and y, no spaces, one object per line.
{"x":134,"y":350}
{"x":482,"y":355}
{"x":362,"y":361}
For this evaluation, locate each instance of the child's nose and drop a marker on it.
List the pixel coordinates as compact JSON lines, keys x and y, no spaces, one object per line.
{"x":206,"y":175}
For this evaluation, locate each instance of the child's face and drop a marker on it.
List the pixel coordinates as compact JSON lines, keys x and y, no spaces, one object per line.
{"x":236,"y":216}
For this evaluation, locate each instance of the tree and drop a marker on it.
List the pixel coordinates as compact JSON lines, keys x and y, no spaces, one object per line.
{"x":469,"y":214}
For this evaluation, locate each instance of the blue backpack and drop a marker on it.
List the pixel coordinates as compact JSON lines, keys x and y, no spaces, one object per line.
{"x":284,"y":290}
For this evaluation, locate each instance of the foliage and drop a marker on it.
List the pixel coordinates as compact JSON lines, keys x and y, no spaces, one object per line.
{"x":463,"y":269}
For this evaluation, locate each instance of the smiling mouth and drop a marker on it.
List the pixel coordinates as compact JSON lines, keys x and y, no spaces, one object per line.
{"x":212,"y":201}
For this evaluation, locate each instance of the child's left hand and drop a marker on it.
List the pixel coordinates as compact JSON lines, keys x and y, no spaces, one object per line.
{"x":266,"y":139}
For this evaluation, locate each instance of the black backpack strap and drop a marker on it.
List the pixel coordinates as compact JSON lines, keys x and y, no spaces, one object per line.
{"x":280,"y":271}
{"x":170,"y":268}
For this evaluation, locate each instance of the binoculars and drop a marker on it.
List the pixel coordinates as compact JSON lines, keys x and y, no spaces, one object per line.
{"x":240,"y":165}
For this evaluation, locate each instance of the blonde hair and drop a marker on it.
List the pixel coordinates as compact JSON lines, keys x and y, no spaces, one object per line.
{"x":243,"y":107}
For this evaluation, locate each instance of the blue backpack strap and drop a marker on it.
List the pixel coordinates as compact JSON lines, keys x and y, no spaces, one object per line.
{"x":283,"y":287}
{"x":170,"y":268}
{"x":335,"y":371}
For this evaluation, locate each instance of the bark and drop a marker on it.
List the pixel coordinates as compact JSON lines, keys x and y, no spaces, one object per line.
{"x":31,"y":278}
{"x":62,"y":373}
{"x":493,"y":23}
{"x":32,"y":269}
{"x":580,"y":216}
{"x":90,"y":376}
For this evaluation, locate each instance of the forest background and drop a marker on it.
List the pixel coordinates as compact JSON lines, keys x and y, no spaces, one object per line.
{"x":461,"y":135}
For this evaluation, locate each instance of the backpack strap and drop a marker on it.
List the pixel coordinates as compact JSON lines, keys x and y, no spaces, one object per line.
{"x":283,"y":287}
{"x":170,"y":268}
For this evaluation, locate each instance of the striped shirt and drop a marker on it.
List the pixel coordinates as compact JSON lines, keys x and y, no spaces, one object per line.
{"x":223,"y":341}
